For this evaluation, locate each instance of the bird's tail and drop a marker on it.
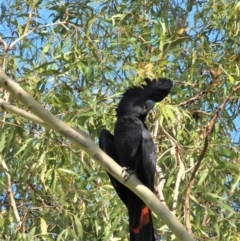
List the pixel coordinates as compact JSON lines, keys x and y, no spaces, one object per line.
{"x":144,"y":231}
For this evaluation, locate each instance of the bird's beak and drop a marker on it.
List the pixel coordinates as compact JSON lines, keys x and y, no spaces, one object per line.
{"x":150,"y":104}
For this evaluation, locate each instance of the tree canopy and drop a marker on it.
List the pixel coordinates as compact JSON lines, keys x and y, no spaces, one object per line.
{"x":76,"y":58}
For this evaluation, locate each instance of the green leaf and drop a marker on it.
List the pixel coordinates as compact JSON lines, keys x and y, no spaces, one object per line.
{"x":46,"y":48}
{"x":214,"y":221}
{"x":43,"y":226}
{"x":67,"y":171}
{"x":31,"y":234}
{"x":23,"y":148}
{"x":2,"y":139}
{"x":204,"y":175}
{"x":235,"y":185}
{"x":78,"y":226}
{"x":231,"y":79}
{"x":199,"y":215}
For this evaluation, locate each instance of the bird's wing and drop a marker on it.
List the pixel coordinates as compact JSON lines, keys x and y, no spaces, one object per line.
{"x":148,"y":158}
{"x":106,"y":143}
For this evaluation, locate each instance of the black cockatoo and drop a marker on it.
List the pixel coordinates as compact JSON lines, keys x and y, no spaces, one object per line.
{"x":132,"y":147}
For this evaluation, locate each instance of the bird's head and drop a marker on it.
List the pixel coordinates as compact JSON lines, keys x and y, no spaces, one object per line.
{"x":157,"y":89}
{"x":138,"y":101}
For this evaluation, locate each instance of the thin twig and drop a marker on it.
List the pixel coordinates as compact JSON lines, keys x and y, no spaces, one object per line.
{"x":160,"y":186}
{"x":10,"y":195}
{"x":181,"y":170}
{"x":197,"y":97}
{"x":160,"y":177}
{"x":24,"y":35}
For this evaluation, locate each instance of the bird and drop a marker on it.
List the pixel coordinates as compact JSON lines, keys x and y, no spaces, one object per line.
{"x":132,"y":147}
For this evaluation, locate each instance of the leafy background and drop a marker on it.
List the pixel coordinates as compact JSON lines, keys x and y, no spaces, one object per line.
{"x":76,"y":58}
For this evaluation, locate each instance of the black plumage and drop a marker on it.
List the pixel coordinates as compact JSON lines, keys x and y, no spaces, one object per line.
{"x":132,"y":147}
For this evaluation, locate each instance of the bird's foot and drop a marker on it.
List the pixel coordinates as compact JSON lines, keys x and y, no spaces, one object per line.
{"x":126,"y":173}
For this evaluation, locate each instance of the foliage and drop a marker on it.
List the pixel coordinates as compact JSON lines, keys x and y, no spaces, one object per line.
{"x":76,"y":58}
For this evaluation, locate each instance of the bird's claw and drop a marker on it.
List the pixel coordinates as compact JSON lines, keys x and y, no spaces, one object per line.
{"x":126,"y":172}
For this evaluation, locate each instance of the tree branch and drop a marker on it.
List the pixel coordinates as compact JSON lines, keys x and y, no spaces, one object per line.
{"x":181,"y":170}
{"x":26,"y":115}
{"x":161,"y":182}
{"x":196,"y":97}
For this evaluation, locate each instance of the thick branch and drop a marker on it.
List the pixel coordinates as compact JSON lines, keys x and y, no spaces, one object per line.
{"x":86,"y":144}
{"x":7,"y":107}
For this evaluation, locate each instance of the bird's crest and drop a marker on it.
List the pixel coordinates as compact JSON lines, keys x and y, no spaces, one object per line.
{"x":135,"y":97}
